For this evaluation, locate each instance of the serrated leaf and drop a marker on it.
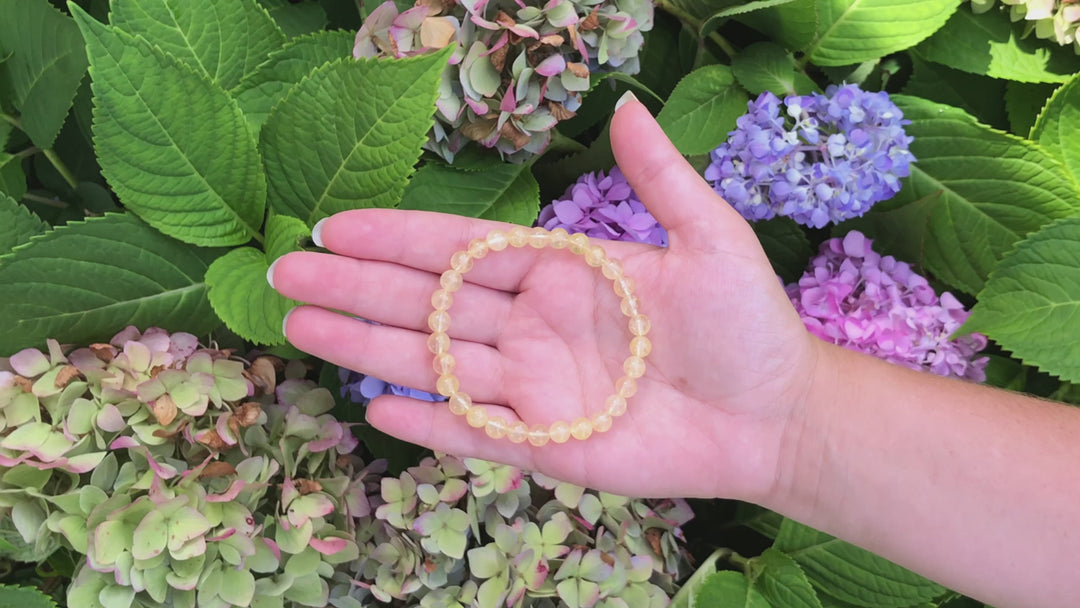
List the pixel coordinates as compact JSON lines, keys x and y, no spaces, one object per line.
{"x":977,"y":95}
{"x":268,"y":84}
{"x":843,"y":32}
{"x":781,"y":581}
{"x":690,"y":591}
{"x":853,"y":575}
{"x":994,"y":188}
{"x":504,"y":192}
{"x":239,"y":292}
{"x":296,"y":19}
{"x":222,"y":40}
{"x":702,"y":109}
{"x":990,"y":44}
{"x":174,"y":147}
{"x":24,"y":597}
{"x":1057,"y":129}
{"x":12,"y":178}
{"x":45,"y":62}
{"x":729,"y":590}
{"x":1024,"y":102}
{"x":84,"y":281}
{"x":764,"y":66}
{"x":786,"y":245}
{"x":17,"y":224}
{"x":1030,"y":304}
{"x":716,"y":19}
{"x":348,"y":135}
{"x":899,"y":231}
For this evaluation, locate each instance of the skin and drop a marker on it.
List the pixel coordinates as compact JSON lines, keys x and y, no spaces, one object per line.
{"x":970,"y":486}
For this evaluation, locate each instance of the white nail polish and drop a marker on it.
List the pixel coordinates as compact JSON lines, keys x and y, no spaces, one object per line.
{"x":270,"y":274}
{"x":285,"y":321}
{"x":316,"y":232}
{"x":627,"y":96}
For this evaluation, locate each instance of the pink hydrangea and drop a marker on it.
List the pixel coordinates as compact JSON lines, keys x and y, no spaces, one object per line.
{"x":858,"y":299}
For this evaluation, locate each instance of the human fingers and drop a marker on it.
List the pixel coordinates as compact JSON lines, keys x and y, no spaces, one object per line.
{"x":388,"y":293}
{"x":364,"y":347}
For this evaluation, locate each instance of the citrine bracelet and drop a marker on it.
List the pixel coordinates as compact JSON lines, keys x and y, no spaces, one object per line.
{"x":560,"y":431}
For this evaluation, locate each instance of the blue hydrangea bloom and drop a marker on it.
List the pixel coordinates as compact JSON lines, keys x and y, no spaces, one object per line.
{"x":814,"y":158}
{"x":359,"y":388}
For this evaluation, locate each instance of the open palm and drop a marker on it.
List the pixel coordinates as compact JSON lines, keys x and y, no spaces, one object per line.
{"x":538,"y":335}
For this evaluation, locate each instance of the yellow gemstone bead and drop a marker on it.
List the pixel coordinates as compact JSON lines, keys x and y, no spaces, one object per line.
{"x":633,"y":366}
{"x":460,"y":403}
{"x":560,"y":238}
{"x":496,"y":240}
{"x":451,"y":280}
{"x":601,"y":422}
{"x":538,"y":435}
{"x":477,"y":417}
{"x":539,"y":238}
{"x":517,"y":432}
{"x":581,"y":429}
{"x":447,"y":385}
{"x":559,"y":432}
{"x":518,"y":236}
{"x":631,"y":305}
{"x":444,"y":364}
{"x":640,"y":325}
{"x":640,"y":346}
{"x":626,"y":387}
{"x":438,"y":342}
{"x":478,"y":248}
{"x":578,"y":243}
{"x":594,"y":255}
{"x":611,"y":268}
{"x":616,"y":406}
{"x":439,"y":321}
{"x":623,"y":286}
{"x":496,"y":427}
{"x":461,"y":261}
{"x":441,"y":299}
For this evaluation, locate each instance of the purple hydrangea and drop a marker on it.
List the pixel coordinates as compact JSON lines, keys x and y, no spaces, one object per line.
{"x":877,"y":305}
{"x":603,"y":207}
{"x":357,"y":387}
{"x":815,"y":158}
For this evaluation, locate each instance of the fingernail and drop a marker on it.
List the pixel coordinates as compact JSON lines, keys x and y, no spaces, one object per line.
{"x":285,"y":321}
{"x":627,"y":96}
{"x":270,"y":273}
{"x":316,"y":232}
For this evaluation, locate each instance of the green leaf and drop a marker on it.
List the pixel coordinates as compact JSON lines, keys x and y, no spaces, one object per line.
{"x":1032,"y":299}
{"x":702,"y":109}
{"x":897,"y":231}
{"x":296,"y":19}
{"x":730,"y":590}
{"x":17,"y":224}
{"x":842,"y":32}
{"x":1024,"y":102}
{"x":786,"y":245}
{"x":764,"y":66}
{"x":239,"y":292}
{"x":1057,"y":129}
{"x":12,"y":178}
{"x":348,"y":135}
{"x":850,"y":574}
{"x":781,"y":581}
{"x":175,"y":147}
{"x":84,"y":281}
{"x":994,"y":188}
{"x":740,"y":8}
{"x":690,"y":591}
{"x":977,"y":95}
{"x":990,"y":44}
{"x":268,"y":84}
{"x":222,"y":40}
{"x":24,"y":597}
{"x":505,"y":192}
{"x":45,"y":63}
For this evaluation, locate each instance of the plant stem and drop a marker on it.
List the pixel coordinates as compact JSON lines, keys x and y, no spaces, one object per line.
{"x":61,"y":168}
{"x":32,"y":150}
{"x":724,"y":45}
{"x":48,"y":202}
{"x":695,"y":24}
{"x":11,"y":119}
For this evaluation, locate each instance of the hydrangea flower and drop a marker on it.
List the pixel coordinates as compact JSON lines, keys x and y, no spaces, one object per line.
{"x":518,"y":67}
{"x":815,"y":158}
{"x":877,"y":305}
{"x":357,"y":387}
{"x":603,"y":207}
{"x":1051,"y":19}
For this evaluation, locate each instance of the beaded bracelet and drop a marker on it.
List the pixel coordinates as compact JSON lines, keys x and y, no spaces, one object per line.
{"x":560,"y":431}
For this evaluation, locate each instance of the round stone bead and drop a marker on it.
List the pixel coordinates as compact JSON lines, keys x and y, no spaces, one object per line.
{"x":496,"y":240}
{"x":478,"y":248}
{"x":559,"y":432}
{"x":578,"y":243}
{"x":539,"y":238}
{"x":451,"y":280}
{"x":441,"y":299}
{"x":461,"y":261}
{"x":581,"y":429}
{"x":518,"y":236}
{"x":616,"y":405}
{"x":640,"y":325}
{"x":640,"y":346}
{"x":611,"y":268}
{"x":460,"y":403}
{"x":439,"y":321}
{"x":496,"y":427}
{"x":538,"y":435}
{"x":634,"y":367}
{"x":447,"y":385}
{"x":560,"y":238}
{"x":438,"y":342}
{"x":626,"y":387}
{"x":477,"y":417}
{"x":517,"y":432}
{"x":630,"y":306}
{"x":594,"y":255}
{"x":623,"y":286}
{"x":601,"y":422}
{"x":444,"y":364}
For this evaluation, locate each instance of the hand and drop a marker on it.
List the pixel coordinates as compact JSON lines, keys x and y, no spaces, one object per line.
{"x":538,"y":335}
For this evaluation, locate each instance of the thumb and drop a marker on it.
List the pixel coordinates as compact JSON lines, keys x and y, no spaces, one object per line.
{"x":670,"y":188}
